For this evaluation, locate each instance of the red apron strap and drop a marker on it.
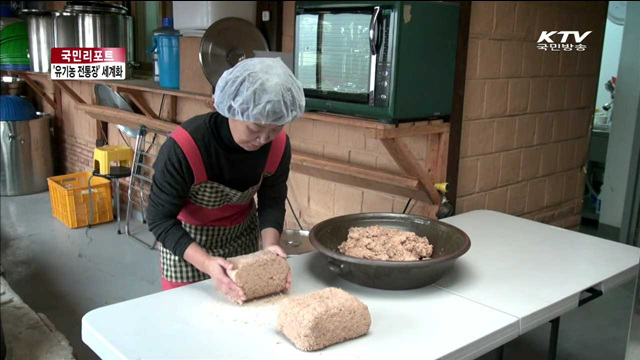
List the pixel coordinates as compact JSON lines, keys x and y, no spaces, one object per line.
{"x":191,"y":151}
{"x":224,"y":216}
{"x":275,"y":153}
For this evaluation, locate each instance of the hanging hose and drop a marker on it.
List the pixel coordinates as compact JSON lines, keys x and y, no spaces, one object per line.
{"x":294,"y":214}
{"x":406,"y":206}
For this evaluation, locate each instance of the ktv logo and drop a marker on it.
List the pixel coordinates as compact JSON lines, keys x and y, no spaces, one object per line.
{"x":545,"y":42}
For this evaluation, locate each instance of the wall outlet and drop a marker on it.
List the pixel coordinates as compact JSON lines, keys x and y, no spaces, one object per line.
{"x":266,"y":16}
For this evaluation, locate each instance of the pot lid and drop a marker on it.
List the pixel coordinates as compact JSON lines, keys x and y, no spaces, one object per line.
{"x":94,"y":6}
{"x":35,"y":12}
{"x":107,"y":97}
{"x":225,"y":43}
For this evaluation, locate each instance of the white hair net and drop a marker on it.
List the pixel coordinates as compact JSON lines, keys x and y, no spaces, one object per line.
{"x":260,"y":90}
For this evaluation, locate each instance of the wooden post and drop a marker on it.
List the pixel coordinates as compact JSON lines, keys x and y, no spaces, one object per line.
{"x":57,"y":132}
{"x":458,"y":101}
{"x":102,"y":128}
{"x":172,"y":112}
{"x":443,"y":158}
{"x":431,"y":159}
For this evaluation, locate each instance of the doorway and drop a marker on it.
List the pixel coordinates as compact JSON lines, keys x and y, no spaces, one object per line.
{"x":613,"y":130}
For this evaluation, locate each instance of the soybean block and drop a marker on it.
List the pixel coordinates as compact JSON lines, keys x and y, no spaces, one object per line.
{"x":259,"y":274}
{"x":323,"y":318}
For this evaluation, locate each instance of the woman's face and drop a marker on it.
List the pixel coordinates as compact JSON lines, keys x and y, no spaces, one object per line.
{"x":250,"y":136}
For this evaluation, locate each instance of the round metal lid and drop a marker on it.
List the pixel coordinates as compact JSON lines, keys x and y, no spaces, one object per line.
{"x":35,"y":12}
{"x":107,"y":97}
{"x":225,"y":43}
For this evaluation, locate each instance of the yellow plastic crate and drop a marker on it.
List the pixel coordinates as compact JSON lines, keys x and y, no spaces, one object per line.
{"x":69,"y":196}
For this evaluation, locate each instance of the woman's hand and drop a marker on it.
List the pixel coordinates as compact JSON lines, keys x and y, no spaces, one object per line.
{"x":219,"y":268}
{"x":278,"y":251}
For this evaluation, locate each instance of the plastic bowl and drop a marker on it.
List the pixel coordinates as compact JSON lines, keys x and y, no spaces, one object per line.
{"x":16,"y":108}
{"x":15,"y":51}
{"x":18,"y":29}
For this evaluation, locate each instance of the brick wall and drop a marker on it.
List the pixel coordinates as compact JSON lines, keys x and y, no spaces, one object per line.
{"x":527,"y":112}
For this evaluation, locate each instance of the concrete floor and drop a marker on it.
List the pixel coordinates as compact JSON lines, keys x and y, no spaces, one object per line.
{"x":65,"y":273}
{"x":29,"y":335}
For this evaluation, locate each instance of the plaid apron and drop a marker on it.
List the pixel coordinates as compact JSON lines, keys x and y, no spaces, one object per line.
{"x":223,"y":221}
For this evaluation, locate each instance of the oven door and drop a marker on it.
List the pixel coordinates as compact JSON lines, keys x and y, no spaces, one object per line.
{"x":335,"y":53}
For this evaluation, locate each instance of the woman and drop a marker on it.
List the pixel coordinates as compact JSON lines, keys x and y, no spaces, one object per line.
{"x":201,"y":205}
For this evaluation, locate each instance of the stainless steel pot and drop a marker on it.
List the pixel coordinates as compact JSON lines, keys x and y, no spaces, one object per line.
{"x":94,"y":25}
{"x":40,"y":26}
{"x":26,"y":160}
{"x":449,"y":243}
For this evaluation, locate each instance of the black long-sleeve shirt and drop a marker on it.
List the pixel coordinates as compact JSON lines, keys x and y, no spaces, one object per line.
{"x":226,"y":163}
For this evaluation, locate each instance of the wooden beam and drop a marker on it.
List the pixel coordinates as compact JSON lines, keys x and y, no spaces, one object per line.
{"x":396,"y":130}
{"x":131,"y":84}
{"x":69,"y":91}
{"x":407,"y":162}
{"x":346,"y":120}
{"x":121,"y":117}
{"x":34,"y":85}
{"x":152,"y":87}
{"x":142,"y":104}
{"x":416,"y":130}
{"x":358,"y":176}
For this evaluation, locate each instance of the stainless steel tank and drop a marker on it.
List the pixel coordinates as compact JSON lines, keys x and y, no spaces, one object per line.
{"x":40,"y":25}
{"x":26,"y":160}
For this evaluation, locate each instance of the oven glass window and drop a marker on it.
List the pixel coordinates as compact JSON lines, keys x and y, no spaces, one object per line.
{"x":333,"y":57}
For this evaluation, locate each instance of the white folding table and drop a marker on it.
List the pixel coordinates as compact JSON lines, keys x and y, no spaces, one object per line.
{"x":517,"y":275}
{"x":195,"y":322}
{"x":534,"y":271}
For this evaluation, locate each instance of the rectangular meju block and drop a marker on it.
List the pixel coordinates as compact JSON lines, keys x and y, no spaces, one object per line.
{"x":259,"y":274}
{"x":323,"y":318}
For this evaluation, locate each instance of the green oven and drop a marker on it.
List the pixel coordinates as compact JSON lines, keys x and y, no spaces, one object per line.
{"x":390,"y":61}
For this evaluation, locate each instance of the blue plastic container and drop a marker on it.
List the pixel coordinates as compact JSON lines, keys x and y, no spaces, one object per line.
{"x":15,"y":67}
{"x":7,"y":12}
{"x":167,"y":28}
{"x":16,"y":108}
{"x":169,"y":60}
{"x":167,"y":22}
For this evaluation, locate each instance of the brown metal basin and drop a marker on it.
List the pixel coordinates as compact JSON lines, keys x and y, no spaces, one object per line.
{"x":449,"y":243}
